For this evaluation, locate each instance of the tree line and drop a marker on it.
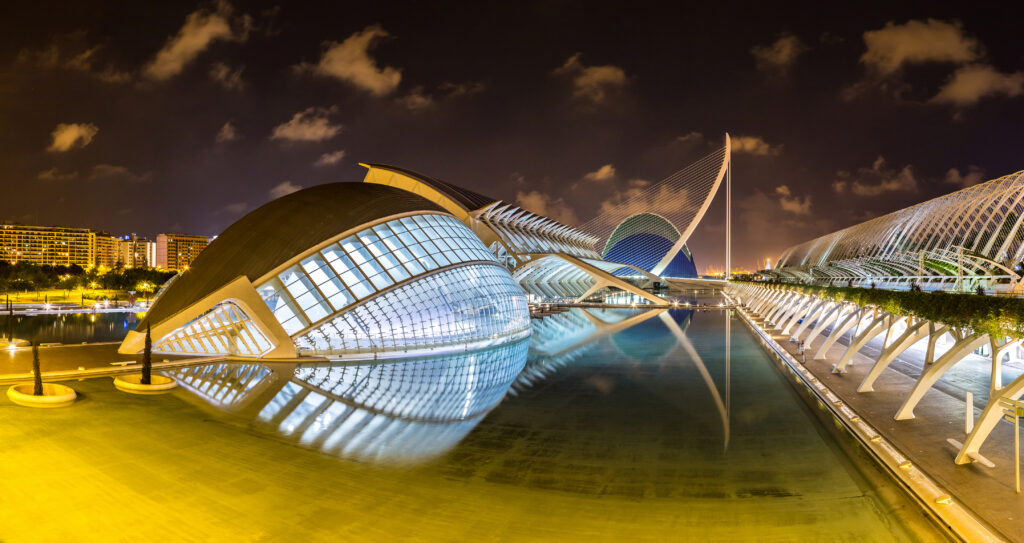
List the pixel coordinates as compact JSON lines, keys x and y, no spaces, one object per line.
{"x":26,"y":277}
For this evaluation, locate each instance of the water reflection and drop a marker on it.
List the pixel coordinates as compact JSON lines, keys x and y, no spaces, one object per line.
{"x":402,"y":411}
{"x":563,"y":338}
{"x":71,"y":328}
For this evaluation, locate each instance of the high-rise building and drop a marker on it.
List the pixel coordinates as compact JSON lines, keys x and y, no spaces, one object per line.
{"x":136,"y":252}
{"x":53,"y":245}
{"x":105,"y":253}
{"x":177,"y":251}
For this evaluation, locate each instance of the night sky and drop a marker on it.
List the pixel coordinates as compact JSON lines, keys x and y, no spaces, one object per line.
{"x":155,"y":117}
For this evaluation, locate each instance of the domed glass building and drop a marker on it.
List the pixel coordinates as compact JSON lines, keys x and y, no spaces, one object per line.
{"x":643,"y":240}
{"x":338,"y":270}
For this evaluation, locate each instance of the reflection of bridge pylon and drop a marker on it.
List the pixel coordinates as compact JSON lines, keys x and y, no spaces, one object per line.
{"x":684,"y":342}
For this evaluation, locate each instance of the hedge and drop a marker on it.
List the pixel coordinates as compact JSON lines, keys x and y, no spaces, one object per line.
{"x":996,"y":316}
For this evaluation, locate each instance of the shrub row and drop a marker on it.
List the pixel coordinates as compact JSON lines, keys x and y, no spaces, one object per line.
{"x":996,"y":316}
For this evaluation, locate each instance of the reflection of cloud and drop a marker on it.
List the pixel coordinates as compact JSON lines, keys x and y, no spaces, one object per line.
{"x":350,"y":61}
{"x":593,"y":84}
{"x":546,"y":205}
{"x":876,"y":180}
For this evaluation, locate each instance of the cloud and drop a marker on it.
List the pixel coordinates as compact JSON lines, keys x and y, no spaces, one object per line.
{"x":793,"y":204}
{"x":754,"y":145}
{"x":284,"y":189}
{"x":350,"y":61}
{"x":603,"y":173}
{"x":546,"y":205}
{"x":778,"y":57}
{"x":416,"y":100}
{"x":592,"y":84}
{"x":894,"y":46}
{"x":236,"y":208}
{"x":201,"y":29}
{"x":68,"y":136}
{"x":73,"y":52}
{"x":312,"y":124}
{"x":876,"y":180}
{"x":229,"y":79}
{"x":330,"y":159}
{"x":969,"y":84}
{"x":467,"y":88}
{"x":972,"y":176}
{"x":113,"y":172}
{"x":55,"y":175}
{"x":228,"y":132}
{"x":692,"y":138}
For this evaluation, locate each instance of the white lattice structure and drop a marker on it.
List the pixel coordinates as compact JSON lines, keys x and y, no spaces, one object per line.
{"x":965,"y":239}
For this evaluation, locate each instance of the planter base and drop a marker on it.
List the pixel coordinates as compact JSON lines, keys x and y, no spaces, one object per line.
{"x":54,"y":395}
{"x":131,"y":384}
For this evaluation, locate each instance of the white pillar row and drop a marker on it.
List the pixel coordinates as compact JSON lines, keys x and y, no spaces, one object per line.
{"x":915,"y":332}
{"x":931,"y":374}
{"x":791,"y":316}
{"x":851,"y":320}
{"x":876,"y":327}
{"x":840,"y":311}
{"x":823,"y":309}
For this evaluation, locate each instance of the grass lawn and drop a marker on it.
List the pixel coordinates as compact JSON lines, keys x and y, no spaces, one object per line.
{"x":59,"y":296}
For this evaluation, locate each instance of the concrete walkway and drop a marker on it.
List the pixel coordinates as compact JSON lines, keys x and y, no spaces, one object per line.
{"x":988,"y":492}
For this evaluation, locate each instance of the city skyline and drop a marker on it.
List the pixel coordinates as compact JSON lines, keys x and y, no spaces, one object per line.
{"x":185,"y":116}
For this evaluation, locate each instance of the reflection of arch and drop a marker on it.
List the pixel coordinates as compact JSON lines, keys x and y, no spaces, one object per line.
{"x":565,"y":276}
{"x":398,"y":411}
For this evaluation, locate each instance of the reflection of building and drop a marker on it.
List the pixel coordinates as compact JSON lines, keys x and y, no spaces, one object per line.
{"x":52,"y":245}
{"x":339,"y":270}
{"x":974,"y":237}
{"x":393,"y":412}
{"x":177,"y":251}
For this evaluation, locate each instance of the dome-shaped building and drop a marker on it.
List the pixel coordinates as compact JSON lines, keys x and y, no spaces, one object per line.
{"x":338,"y":270}
{"x":643,"y":240}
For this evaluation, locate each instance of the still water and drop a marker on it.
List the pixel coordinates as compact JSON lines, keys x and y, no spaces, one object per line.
{"x":70,"y":328}
{"x":606,"y":425}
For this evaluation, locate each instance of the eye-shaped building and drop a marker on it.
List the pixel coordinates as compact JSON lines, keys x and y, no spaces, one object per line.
{"x":338,"y":270}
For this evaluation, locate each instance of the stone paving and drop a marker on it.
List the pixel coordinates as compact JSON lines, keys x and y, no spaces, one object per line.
{"x":988,"y":492}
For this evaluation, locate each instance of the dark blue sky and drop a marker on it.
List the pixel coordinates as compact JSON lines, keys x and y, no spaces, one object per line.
{"x":181,"y":116}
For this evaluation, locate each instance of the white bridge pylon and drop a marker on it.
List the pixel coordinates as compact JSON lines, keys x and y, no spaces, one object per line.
{"x":682,"y":199}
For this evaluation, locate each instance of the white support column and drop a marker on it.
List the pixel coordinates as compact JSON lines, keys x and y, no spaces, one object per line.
{"x":850,"y":321}
{"x":836,"y":313}
{"x":876,"y":327}
{"x":822,"y":309}
{"x":989,"y":418}
{"x":914,"y":333}
{"x":931,"y":374}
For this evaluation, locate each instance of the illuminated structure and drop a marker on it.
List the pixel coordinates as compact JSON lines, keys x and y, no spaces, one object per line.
{"x":136,"y":252}
{"x":50,"y":245}
{"x":107,"y":249}
{"x":373,"y":412}
{"x":177,"y":251}
{"x":553,"y":261}
{"x":344,"y":270}
{"x":966,"y":239}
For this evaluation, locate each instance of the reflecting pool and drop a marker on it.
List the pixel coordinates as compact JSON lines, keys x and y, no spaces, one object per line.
{"x":70,"y":328}
{"x":612,"y":425}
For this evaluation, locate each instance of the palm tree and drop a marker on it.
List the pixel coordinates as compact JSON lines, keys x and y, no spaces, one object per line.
{"x":37,"y":374}
{"x":147,"y":359}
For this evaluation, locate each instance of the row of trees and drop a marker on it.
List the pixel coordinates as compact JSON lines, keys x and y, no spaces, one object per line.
{"x":26,"y":277}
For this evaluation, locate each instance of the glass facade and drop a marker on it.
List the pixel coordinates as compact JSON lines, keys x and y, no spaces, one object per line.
{"x":225,"y":329}
{"x":456,"y":305}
